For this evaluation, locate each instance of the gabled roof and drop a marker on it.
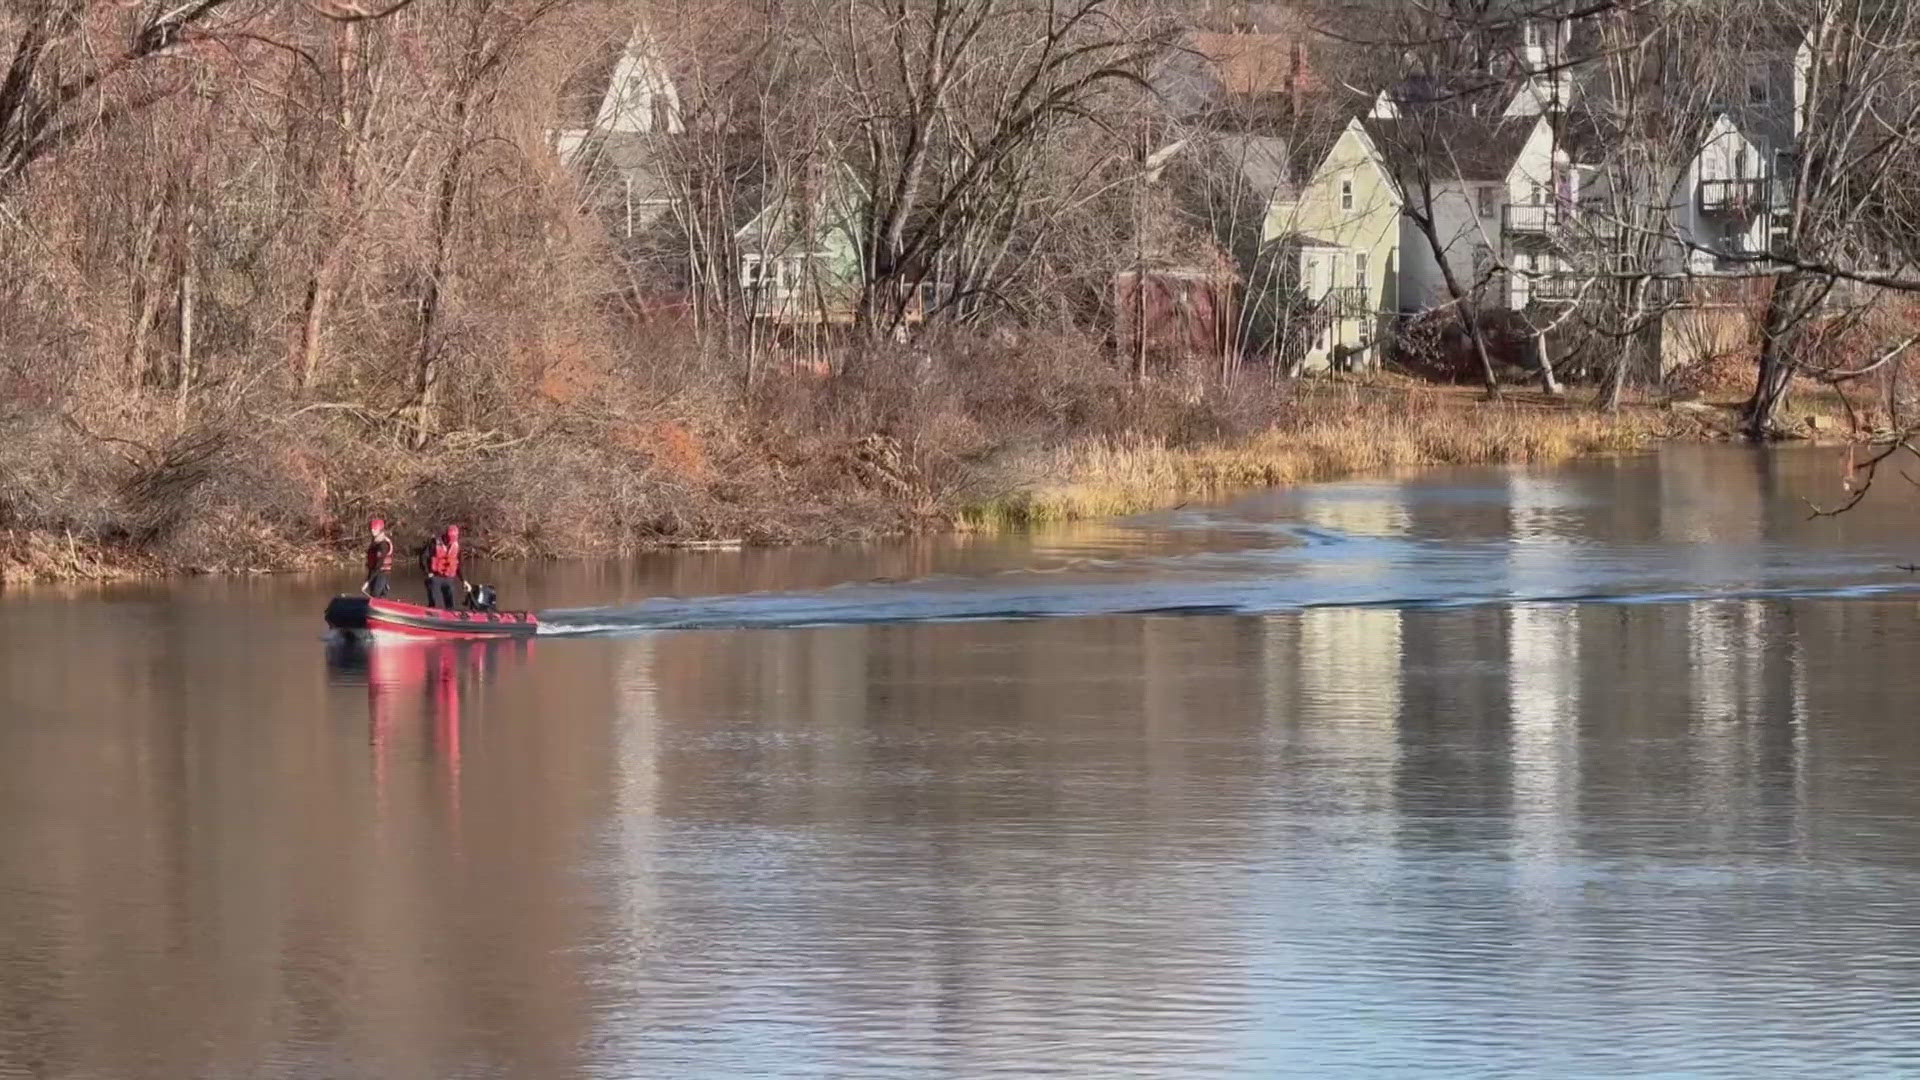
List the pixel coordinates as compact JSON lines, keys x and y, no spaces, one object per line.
{"x":607,"y":91}
{"x":1443,"y":147}
{"x":586,"y":86}
{"x":828,"y":201}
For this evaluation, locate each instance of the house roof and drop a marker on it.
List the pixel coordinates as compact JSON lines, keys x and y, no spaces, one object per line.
{"x":1264,"y":162}
{"x":1213,"y":69}
{"x":1450,"y":147}
{"x":586,"y":86}
{"x":1249,"y":63}
{"x":801,"y":206}
{"x":1579,"y":135}
{"x":1468,"y":92}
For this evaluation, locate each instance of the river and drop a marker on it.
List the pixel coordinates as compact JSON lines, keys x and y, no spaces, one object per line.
{"x":1605,"y":770}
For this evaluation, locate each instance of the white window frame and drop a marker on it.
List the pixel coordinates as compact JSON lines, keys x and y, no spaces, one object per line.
{"x":1346,"y":194}
{"x":1360,"y":270}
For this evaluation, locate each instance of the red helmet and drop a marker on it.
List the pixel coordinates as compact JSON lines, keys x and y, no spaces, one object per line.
{"x":377,"y":524}
{"x":453,"y":532}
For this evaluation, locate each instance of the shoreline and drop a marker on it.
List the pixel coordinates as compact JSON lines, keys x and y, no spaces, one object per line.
{"x":1340,"y":429}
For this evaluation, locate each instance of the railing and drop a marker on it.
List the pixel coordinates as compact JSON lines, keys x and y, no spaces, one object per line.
{"x":1743,"y":196}
{"x":1347,"y":302}
{"x":1555,"y":288}
{"x":1530,"y":219}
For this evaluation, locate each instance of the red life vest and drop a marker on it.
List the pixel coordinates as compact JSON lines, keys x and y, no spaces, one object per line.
{"x":446,"y":559}
{"x":380,"y":555}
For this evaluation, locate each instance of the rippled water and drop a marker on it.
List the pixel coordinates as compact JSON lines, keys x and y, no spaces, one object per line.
{"x":1397,"y":811}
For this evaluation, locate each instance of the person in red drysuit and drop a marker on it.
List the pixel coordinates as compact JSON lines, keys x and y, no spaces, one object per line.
{"x":443,"y":570}
{"x":379,"y":559}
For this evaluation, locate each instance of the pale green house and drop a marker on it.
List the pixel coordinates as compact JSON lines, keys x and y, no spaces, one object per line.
{"x":1343,"y":227}
{"x":800,"y":256}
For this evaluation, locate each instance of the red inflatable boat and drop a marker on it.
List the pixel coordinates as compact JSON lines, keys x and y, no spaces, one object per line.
{"x":391,"y":617}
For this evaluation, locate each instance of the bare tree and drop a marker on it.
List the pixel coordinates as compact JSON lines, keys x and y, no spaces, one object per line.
{"x":950,"y":109}
{"x":1848,"y":218}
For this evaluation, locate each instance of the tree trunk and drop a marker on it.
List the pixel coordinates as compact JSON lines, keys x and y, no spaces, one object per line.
{"x":1548,"y":383}
{"x":1786,"y":309}
{"x":427,"y":353}
{"x":146,"y":298}
{"x":186,"y":368}
{"x":314,"y":316}
{"x":324,"y":281}
{"x":1469,"y":318}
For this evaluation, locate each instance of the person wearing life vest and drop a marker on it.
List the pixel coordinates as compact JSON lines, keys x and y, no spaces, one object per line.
{"x":443,"y":569}
{"x":379,"y":559}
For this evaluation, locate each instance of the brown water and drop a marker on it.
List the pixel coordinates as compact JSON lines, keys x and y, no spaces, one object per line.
{"x":1392,"y":808}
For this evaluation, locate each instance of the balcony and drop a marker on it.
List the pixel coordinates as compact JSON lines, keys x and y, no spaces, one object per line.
{"x":1528,"y":219}
{"x":1347,"y":302}
{"x":1558,"y":288}
{"x":1743,"y":197}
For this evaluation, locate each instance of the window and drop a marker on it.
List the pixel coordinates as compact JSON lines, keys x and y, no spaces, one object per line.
{"x":1759,"y":86}
{"x":1489,"y":203}
{"x":1360,"y":270}
{"x":1539,"y":194}
{"x":1346,"y":194}
{"x":763,"y":276}
{"x":1312,"y":276}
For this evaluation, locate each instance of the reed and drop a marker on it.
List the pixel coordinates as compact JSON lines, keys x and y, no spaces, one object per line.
{"x":1327,"y":438}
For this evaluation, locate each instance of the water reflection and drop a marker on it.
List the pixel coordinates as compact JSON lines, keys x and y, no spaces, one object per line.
{"x":414,"y":688}
{"x":1515,"y":839}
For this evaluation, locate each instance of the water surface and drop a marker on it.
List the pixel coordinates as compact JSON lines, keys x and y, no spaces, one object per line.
{"x":1393,"y":805}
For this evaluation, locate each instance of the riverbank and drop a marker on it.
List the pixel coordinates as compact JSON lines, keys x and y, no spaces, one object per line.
{"x":872,"y":488}
{"x":1341,"y":430}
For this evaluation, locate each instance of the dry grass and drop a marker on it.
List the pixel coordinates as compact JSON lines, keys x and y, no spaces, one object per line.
{"x":33,"y":556}
{"x":1341,"y":430}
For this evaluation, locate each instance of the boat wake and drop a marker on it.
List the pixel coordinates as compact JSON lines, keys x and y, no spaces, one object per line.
{"x":906,"y":606}
{"x":1500,"y":539}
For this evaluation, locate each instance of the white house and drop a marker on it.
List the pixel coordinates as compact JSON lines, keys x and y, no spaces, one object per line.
{"x":637,"y":97}
{"x":1721,"y":211}
{"x":617,"y":109}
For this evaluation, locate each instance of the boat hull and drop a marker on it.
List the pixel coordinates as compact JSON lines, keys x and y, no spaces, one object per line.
{"x":391,"y":618}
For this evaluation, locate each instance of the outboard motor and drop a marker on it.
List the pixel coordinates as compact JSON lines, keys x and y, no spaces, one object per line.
{"x":482,"y":598}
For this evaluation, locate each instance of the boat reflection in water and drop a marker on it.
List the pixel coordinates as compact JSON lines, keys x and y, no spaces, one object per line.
{"x":414,"y":690}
